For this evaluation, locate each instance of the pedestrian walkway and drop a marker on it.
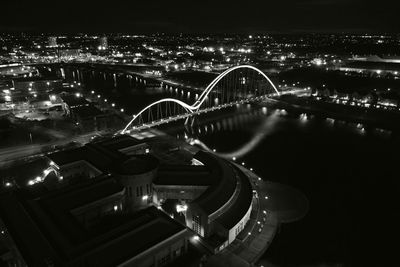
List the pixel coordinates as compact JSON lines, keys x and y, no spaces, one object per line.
{"x":273,"y":204}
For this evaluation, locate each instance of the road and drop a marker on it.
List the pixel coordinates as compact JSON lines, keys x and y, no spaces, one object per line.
{"x":10,"y":154}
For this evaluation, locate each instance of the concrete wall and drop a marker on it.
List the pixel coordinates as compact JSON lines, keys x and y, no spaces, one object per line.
{"x":76,"y":168}
{"x":178,"y":192}
{"x":163,"y":253}
{"x":93,"y":211}
{"x":240,"y":226}
{"x":139,"y":189}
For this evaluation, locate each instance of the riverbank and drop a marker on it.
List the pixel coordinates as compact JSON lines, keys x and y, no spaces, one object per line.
{"x":273,"y":204}
{"x":375,"y":118}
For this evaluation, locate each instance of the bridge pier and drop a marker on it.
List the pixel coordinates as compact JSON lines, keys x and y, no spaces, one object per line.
{"x":191,"y":121}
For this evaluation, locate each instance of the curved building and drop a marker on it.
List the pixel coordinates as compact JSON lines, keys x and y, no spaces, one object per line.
{"x":136,"y":174}
{"x":101,"y":209}
{"x":218,"y":197}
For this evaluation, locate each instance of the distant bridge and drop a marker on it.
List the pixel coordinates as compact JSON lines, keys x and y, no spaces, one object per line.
{"x":239,"y":84}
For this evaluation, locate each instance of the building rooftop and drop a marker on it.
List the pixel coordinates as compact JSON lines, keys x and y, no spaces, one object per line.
{"x":241,"y":205}
{"x":183,"y":175}
{"x":148,"y":229}
{"x":81,"y":194}
{"x":74,"y":101}
{"x":94,"y":153}
{"x":87,"y":153}
{"x":119,"y":142}
{"x":223,"y":186}
{"x":38,"y":228}
{"x":54,"y":209}
{"x":136,"y":164}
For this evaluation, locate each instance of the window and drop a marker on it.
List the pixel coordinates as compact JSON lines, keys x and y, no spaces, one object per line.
{"x":177,"y":252}
{"x":197,"y":224}
{"x":137,"y":191}
{"x":147,"y":189}
{"x":164,"y":260}
{"x":141,"y":190}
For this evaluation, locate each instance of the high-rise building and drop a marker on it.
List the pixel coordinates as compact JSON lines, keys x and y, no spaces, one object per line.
{"x":52,"y":41}
{"x":103,"y":43}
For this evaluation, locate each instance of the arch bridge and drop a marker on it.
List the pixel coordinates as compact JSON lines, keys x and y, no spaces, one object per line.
{"x":239,"y":84}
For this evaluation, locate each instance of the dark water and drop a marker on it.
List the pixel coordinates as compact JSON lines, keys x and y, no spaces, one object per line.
{"x":349,"y":174}
{"x":126,"y":91}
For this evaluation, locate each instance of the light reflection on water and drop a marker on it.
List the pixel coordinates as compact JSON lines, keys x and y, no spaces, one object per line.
{"x":334,"y":162}
{"x":258,"y":124}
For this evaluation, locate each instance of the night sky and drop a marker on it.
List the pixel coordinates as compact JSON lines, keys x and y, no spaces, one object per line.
{"x":192,"y":16}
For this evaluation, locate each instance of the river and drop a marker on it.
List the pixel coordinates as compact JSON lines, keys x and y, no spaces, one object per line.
{"x":348,"y":172}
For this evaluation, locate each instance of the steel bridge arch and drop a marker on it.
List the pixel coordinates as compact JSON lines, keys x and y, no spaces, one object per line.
{"x":211,"y":86}
{"x":173,"y":100}
{"x":197,"y":104}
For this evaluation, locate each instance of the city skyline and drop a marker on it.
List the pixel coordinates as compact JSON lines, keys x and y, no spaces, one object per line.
{"x":199,"y":134}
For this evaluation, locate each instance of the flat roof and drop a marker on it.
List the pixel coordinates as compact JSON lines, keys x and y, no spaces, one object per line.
{"x":223,"y":186}
{"x":136,"y":164}
{"x":120,"y":142}
{"x":72,"y":100}
{"x":43,"y":240}
{"x":138,"y":238}
{"x":238,"y":209}
{"x":53,"y":210}
{"x":93,"y":153}
{"x":106,"y":156}
{"x":184,"y":175}
{"x":81,"y":194}
{"x":25,"y":233}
